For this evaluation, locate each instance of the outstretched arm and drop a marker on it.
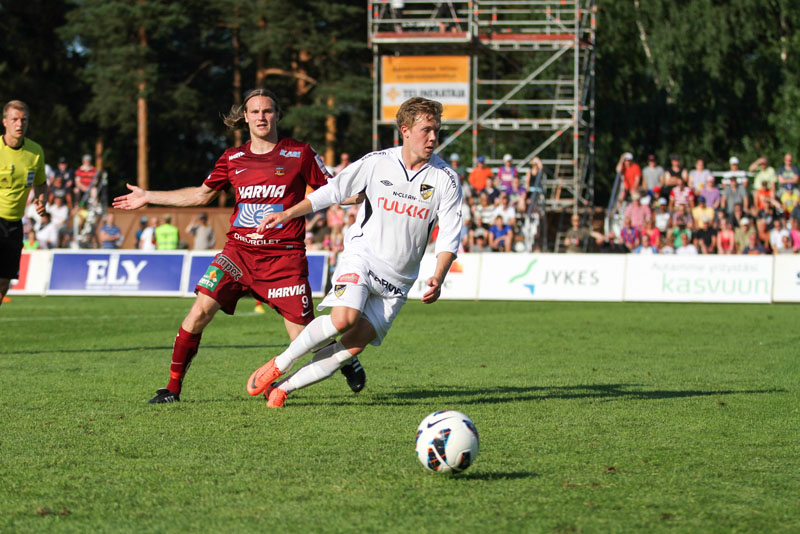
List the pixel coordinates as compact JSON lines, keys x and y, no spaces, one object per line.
{"x":189,"y":196}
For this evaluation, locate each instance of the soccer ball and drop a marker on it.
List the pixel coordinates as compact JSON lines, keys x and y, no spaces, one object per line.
{"x":447,"y":441}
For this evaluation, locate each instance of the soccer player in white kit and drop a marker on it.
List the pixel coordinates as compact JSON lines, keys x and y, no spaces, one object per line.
{"x":406,"y":190}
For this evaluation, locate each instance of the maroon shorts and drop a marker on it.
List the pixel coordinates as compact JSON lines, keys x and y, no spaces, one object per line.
{"x":280,"y":281}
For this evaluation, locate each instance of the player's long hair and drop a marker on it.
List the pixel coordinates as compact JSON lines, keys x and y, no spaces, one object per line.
{"x":235,"y":117}
{"x":412,"y":109}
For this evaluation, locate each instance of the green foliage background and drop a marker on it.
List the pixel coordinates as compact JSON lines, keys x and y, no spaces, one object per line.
{"x":722,"y":78}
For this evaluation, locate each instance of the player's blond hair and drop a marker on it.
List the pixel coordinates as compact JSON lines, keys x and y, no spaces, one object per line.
{"x":235,"y":117}
{"x":16,"y":104}
{"x":416,"y":108}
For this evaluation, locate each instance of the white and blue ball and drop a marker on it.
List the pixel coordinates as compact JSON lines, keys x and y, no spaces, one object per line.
{"x":447,"y":441}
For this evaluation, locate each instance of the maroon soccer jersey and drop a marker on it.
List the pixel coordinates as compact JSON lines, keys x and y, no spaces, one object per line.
{"x":265,"y":183}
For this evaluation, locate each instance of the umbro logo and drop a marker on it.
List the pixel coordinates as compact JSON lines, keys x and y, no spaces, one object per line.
{"x":387,"y":183}
{"x":240,"y":170}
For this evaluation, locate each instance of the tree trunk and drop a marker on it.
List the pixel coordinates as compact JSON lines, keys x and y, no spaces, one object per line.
{"x":330,"y":133}
{"x":142,"y":178}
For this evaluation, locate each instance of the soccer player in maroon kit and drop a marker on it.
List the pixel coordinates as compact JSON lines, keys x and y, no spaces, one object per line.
{"x":267,"y":175}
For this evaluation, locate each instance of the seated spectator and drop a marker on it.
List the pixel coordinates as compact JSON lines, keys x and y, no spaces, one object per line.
{"x":764,"y":196}
{"x":467,"y":207}
{"x":726,"y":238}
{"x":484,"y":212}
{"x":734,"y":173}
{"x":67,"y":176}
{"x":686,"y":247}
{"x":662,"y":216}
{"x":679,"y":231}
{"x":631,"y":237}
{"x":742,"y":234}
{"x":789,"y":200}
{"x":344,"y":161}
{"x":505,"y":211}
{"x":698,"y":177}
{"x":788,"y":174}
{"x":84,"y":176}
{"x":59,"y":213}
{"x":651,"y":230}
{"x":637,"y":212}
{"x":608,"y":244}
{"x":794,"y":232}
{"x":47,"y":235}
{"x":110,"y":234}
{"x":491,"y":191}
{"x":705,"y":238}
{"x":681,"y":195}
{"x":652,"y":176}
{"x":763,"y":174}
{"x":646,"y":247}
{"x":786,"y":246}
{"x":738,"y":215}
{"x":665,"y":246}
{"x":777,"y":235}
{"x":506,"y":173}
{"x":30,"y":242}
{"x":480,"y":173}
{"x":480,"y":244}
{"x":58,"y":189}
{"x":712,"y":194}
{"x":501,"y":235}
{"x":753,"y":246}
{"x":762,"y":231}
{"x":577,"y":236}
{"x":514,"y":190}
{"x":733,"y":195}
{"x":702,"y":211}
{"x":683,"y":213}
{"x":631,"y":176}
{"x":674,"y":173}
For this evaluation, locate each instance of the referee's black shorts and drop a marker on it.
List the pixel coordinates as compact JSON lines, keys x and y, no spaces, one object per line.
{"x":10,"y":248}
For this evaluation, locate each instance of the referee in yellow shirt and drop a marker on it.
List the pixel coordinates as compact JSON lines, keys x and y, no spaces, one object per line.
{"x":21,"y":167}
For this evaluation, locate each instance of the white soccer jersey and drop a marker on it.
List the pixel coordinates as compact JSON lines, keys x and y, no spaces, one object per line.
{"x":400,"y":211}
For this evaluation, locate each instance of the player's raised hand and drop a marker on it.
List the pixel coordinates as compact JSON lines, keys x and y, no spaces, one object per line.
{"x":133,"y":200}
{"x":435,"y":291}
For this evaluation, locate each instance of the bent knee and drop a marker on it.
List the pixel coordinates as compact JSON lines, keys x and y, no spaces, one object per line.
{"x":343,"y":319}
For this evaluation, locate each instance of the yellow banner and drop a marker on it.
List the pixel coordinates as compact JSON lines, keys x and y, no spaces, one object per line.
{"x":441,"y":78}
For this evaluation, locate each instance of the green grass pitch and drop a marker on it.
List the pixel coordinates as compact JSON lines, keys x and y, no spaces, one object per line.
{"x":593,"y":418}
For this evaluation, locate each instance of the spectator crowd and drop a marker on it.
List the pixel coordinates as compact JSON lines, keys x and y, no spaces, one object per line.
{"x":692,"y":211}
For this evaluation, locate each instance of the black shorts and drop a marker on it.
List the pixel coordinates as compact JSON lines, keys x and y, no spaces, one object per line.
{"x":10,"y":248}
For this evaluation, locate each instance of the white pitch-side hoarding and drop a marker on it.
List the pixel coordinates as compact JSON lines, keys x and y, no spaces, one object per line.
{"x":552,"y":277}
{"x":460,"y":283}
{"x":711,"y":278}
{"x":786,"y":278}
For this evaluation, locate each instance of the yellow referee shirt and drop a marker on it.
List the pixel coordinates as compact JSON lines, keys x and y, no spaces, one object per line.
{"x":20,"y":169}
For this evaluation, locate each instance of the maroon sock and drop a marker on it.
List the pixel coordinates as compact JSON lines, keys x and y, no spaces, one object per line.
{"x":183,"y":352}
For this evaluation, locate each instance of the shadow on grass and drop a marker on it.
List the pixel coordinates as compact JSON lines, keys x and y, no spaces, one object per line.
{"x":504,"y":394}
{"x":516,"y":475}
{"x":56,"y":350}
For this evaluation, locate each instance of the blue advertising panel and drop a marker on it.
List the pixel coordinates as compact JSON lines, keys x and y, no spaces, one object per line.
{"x":317,"y":270}
{"x":116,"y":273}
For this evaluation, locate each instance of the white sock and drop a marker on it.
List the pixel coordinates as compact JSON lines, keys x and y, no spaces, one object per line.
{"x":316,"y":333}
{"x":326,"y":362}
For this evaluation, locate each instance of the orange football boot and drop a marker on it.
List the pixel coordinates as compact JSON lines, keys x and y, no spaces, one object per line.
{"x":263,"y":377}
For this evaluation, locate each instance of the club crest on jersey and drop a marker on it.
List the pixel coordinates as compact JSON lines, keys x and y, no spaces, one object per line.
{"x":280,"y":171}
{"x":349,"y":277}
{"x":290,"y":153}
{"x":425,"y":191}
{"x":338,"y":290}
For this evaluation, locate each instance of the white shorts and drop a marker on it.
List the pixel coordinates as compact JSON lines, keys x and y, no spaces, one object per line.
{"x":357,"y":285}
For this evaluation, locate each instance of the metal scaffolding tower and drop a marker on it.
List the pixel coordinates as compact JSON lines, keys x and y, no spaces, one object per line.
{"x":531,"y":81}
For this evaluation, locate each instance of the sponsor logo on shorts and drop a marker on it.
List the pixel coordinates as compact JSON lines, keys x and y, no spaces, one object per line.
{"x":404,"y":208}
{"x":228,"y":266}
{"x":288,"y":291}
{"x":391,"y":288}
{"x":250,"y":215}
{"x":338,"y":290}
{"x":280,"y":171}
{"x":211,"y":279}
{"x":237,"y":155}
{"x":425,"y":191}
{"x":349,"y":277}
